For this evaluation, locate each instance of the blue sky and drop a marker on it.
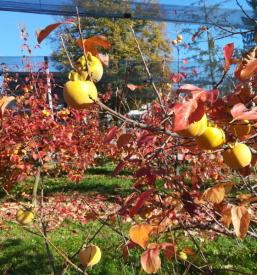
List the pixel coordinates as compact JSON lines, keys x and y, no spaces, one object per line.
{"x":10,"y":37}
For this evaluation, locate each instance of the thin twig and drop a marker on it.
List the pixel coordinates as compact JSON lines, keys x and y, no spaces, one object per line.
{"x":66,"y":52}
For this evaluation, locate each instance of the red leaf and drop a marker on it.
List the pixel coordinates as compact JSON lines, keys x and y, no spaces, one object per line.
{"x":91,"y":44}
{"x":151,"y":261}
{"x":118,"y":168}
{"x":123,"y":140}
{"x":176,"y":78}
{"x":240,"y":112}
{"x":188,"y":202}
{"x":140,"y":201}
{"x":111,"y":134}
{"x":199,"y":32}
{"x":47,"y":30}
{"x":187,"y":113}
{"x":228,"y":52}
{"x":245,"y":71}
{"x":193,"y":109}
{"x":169,"y":250}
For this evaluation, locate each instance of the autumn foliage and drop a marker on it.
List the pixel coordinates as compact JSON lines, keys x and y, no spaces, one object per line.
{"x":178,"y":183}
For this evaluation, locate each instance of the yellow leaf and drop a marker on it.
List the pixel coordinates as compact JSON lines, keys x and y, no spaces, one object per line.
{"x":139,"y":234}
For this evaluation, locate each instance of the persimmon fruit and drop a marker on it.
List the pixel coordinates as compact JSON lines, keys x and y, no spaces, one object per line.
{"x":212,"y":138}
{"x":78,"y":94}
{"x":238,"y":156}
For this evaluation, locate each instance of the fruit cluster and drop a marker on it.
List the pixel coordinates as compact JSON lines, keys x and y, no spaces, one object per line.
{"x":237,"y":156}
{"x":80,"y":90}
{"x":178,"y":40}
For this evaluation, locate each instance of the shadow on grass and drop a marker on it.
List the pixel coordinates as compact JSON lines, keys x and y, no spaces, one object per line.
{"x":107,"y":171}
{"x":21,"y":257}
{"x":101,"y":185}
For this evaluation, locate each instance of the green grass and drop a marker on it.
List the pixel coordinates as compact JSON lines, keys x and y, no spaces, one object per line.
{"x":22,"y":252}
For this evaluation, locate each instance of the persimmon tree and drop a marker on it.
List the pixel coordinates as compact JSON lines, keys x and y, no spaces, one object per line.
{"x":192,"y":157}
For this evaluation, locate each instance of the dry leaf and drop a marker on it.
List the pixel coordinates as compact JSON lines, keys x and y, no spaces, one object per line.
{"x":226,"y":216}
{"x":240,"y":220}
{"x":214,"y":194}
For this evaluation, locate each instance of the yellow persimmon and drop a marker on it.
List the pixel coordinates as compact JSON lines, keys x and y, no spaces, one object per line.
{"x":238,"y":156}
{"x":195,"y":129}
{"x":212,"y":138}
{"x":78,"y":94}
{"x":90,"y":255}
{"x":24,"y":216}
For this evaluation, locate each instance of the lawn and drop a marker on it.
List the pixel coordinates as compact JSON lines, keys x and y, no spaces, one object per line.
{"x":24,"y":253}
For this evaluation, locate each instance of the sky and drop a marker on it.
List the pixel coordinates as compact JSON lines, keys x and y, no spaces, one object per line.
{"x":10,"y":35}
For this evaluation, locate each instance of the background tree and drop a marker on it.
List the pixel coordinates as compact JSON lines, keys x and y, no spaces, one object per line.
{"x":125,"y":64}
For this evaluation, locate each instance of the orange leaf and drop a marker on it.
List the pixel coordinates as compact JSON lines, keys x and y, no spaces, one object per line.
{"x":41,"y":35}
{"x":139,"y":234}
{"x":151,"y":261}
{"x":4,"y":101}
{"x":91,"y":44}
{"x":240,"y":220}
{"x":214,"y":194}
